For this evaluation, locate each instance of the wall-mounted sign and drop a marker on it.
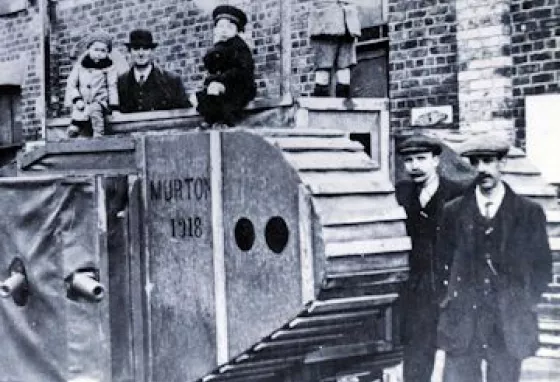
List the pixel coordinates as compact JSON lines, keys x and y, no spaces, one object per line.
{"x":11,"y":6}
{"x":431,"y":116}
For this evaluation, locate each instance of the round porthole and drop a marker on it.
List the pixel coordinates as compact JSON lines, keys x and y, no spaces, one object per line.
{"x":244,"y":234}
{"x":276,"y":234}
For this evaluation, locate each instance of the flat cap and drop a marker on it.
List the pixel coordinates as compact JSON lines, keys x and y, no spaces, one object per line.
{"x":485,"y":144}
{"x":234,"y":14}
{"x":419,"y":143}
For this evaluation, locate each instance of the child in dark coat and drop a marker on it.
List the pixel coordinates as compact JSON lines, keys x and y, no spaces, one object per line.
{"x":230,"y":83}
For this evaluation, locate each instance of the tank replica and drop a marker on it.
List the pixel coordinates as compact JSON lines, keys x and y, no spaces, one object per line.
{"x":257,"y":252}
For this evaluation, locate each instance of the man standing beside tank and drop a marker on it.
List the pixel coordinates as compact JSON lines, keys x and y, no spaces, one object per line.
{"x":501,"y":263}
{"x":423,"y":198}
{"x":145,"y":87}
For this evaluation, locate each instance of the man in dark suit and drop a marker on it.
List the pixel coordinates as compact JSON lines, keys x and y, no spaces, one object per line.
{"x":146,"y":87}
{"x":501,"y":263}
{"x":423,"y":198}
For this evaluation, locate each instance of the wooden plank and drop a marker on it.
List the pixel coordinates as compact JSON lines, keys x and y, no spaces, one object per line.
{"x":219,"y":378}
{"x":354,"y":161}
{"x":520,"y":166}
{"x":330,"y":208}
{"x":352,"y":264}
{"x":216,"y":191}
{"x":366,"y":273}
{"x":91,"y":144}
{"x":554,"y":243}
{"x":552,"y":216}
{"x":360,"y":104}
{"x":549,"y":325}
{"x":292,"y":143}
{"x":298,"y":342}
{"x":368,"y":247}
{"x":381,"y":350}
{"x":284,"y":334}
{"x":306,"y":245}
{"x":136,"y":257}
{"x":325,"y":133}
{"x":258,"y":364}
{"x":330,"y":318}
{"x":364,"y":216}
{"x":351,"y":303}
{"x":358,"y":185}
{"x":549,"y":339}
{"x":364,"y":231}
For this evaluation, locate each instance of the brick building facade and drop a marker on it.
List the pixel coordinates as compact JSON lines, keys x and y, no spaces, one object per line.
{"x":479,"y":57}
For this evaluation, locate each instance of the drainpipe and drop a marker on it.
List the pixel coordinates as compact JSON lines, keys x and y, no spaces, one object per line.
{"x":44,"y":51}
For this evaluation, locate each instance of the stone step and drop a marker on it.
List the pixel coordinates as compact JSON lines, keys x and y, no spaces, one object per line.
{"x":520,"y":166}
{"x":549,"y":311}
{"x":326,"y":161}
{"x":540,"y":369}
{"x":344,"y":217}
{"x":368,"y":247}
{"x":548,"y":353}
{"x":331,"y":207}
{"x":358,"y":185}
{"x":326,"y":133}
{"x":352,"y":232}
{"x":549,"y":339}
{"x":299,"y":143}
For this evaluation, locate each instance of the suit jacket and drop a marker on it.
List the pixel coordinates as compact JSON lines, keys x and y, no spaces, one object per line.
{"x":423,"y":231}
{"x":424,"y":287}
{"x":335,"y":18}
{"x":524,"y":267}
{"x":161,"y":91}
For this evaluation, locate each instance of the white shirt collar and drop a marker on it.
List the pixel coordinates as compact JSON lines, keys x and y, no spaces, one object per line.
{"x":145,"y":73}
{"x":428,"y":190}
{"x":495,"y":199}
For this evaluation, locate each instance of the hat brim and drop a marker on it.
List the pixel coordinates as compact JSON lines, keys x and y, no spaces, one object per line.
{"x":436,"y":150}
{"x":134,"y":45}
{"x":484,"y":153}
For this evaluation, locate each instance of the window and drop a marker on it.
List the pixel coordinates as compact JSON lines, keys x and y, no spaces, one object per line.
{"x":10,"y":127}
{"x":370,"y":77}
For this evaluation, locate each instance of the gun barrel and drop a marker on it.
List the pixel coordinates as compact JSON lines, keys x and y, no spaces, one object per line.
{"x":88,"y":286}
{"x":11,"y":284}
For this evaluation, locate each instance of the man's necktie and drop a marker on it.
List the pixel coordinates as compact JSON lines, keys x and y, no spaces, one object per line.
{"x":488,"y":210}
{"x":141,"y":79}
{"x":424,"y":197}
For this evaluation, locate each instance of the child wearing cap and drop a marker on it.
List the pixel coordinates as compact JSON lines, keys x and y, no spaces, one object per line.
{"x":230,"y":83}
{"x":91,"y":88}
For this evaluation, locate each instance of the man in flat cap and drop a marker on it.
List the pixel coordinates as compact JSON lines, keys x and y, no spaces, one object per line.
{"x":423,"y":198}
{"x":146,"y":87}
{"x":230,"y":83}
{"x":501,"y":263}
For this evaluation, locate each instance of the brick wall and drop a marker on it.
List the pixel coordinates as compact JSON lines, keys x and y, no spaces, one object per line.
{"x":536,"y":53}
{"x":485,"y":66}
{"x":21,"y":40}
{"x":302,"y":77}
{"x":422,"y":57}
{"x":183,"y":31}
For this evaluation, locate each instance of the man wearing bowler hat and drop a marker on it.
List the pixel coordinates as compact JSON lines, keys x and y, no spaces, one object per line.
{"x":498,"y":246}
{"x":146,"y":87}
{"x":423,"y":198}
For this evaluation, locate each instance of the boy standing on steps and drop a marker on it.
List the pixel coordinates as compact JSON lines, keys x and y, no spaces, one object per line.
{"x":335,"y":27}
